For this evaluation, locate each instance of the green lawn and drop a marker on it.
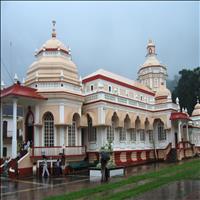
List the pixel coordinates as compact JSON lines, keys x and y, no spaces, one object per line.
{"x":135,"y":185}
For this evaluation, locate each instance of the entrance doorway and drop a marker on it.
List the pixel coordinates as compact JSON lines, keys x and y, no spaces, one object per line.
{"x":29,"y":126}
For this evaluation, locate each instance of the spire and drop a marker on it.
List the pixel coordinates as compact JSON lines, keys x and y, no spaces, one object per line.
{"x":151,"y":48}
{"x":53,"y":29}
{"x":197,"y":100}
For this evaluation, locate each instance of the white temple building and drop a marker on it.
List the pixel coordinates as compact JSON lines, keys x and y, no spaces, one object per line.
{"x":63,"y":113}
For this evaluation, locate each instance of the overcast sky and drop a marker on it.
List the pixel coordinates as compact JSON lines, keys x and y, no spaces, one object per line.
{"x":108,"y":35}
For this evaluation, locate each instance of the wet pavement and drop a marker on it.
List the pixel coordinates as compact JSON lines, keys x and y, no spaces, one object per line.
{"x":37,"y":188}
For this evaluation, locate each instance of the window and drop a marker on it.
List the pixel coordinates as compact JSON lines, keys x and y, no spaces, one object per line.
{"x":5,"y":128}
{"x":110,"y":133}
{"x":122,"y":134}
{"x":161,"y":132}
{"x":150,"y":136}
{"x":142,"y":135}
{"x":48,"y":129}
{"x":91,"y":87}
{"x":110,"y":88}
{"x":72,"y":134}
{"x":155,"y":82}
{"x":133,"y":135}
{"x":92,"y":135}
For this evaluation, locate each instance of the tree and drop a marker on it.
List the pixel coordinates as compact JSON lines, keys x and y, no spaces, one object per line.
{"x":188,"y":88}
{"x":171,"y":84}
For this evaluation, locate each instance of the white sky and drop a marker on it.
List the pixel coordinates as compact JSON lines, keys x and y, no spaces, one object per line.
{"x":108,"y":35}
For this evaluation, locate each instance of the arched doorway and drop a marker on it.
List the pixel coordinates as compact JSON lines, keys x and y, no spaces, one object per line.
{"x":29,"y":126}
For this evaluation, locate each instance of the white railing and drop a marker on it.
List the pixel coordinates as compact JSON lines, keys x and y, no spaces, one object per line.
{"x":127,"y":101}
{"x":58,"y":150}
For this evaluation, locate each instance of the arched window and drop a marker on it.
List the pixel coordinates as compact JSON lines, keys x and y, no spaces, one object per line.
{"x":142,"y":135}
{"x":72,"y":134}
{"x":133,"y":135}
{"x":161,"y":132}
{"x":92,"y":135}
{"x":122,"y":134}
{"x":5,"y":128}
{"x":48,"y":129}
{"x":150,"y":132}
{"x":110,"y":132}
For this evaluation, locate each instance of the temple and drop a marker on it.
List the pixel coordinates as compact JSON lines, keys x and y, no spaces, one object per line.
{"x":65,"y":115}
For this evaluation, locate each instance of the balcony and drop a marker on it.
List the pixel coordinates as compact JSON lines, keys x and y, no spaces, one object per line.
{"x":57,"y":151}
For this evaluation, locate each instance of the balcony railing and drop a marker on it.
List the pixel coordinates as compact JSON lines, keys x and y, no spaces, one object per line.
{"x":58,"y":150}
{"x":128,"y":101}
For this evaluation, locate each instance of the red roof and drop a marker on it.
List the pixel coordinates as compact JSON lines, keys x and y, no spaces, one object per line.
{"x":19,"y":90}
{"x":179,"y":115}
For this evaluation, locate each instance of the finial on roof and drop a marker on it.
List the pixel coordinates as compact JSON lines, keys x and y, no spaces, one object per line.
{"x":16,"y":78}
{"x":197,"y":99}
{"x":177,"y":100}
{"x":53,"y":29}
{"x":2,"y":85}
{"x":23,"y":81}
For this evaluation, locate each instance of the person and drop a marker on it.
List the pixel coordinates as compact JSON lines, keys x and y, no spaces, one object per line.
{"x":24,"y":145}
{"x":104,"y":171}
{"x":45,"y":168}
{"x":58,"y":167}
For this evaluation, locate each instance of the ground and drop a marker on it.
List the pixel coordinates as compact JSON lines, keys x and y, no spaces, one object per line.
{"x":180,"y":181}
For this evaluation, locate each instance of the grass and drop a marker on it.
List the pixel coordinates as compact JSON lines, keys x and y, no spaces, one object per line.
{"x":187,"y":170}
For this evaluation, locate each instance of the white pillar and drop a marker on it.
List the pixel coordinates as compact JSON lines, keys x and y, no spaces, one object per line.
{"x":179,"y":131}
{"x":14,"y":135}
{"x":1,"y":138}
{"x":187,"y":133}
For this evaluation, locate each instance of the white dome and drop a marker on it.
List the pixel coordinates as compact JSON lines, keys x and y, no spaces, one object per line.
{"x":196,"y":110}
{"x":151,"y":61}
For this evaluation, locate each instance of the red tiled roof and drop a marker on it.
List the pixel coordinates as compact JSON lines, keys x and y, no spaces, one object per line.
{"x":179,"y":115}
{"x":19,"y":90}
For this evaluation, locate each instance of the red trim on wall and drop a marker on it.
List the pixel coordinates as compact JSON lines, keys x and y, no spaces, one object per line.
{"x":24,"y":172}
{"x":161,"y":97}
{"x":52,"y":49}
{"x":100,"y":76}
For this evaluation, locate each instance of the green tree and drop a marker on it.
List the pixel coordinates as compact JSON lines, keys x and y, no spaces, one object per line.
{"x":188,"y":88}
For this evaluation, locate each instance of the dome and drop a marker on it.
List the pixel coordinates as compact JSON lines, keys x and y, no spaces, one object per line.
{"x":163,"y":92}
{"x":196,"y":110}
{"x":151,"y":61}
{"x":53,"y":43}
{"x":53,"y":66}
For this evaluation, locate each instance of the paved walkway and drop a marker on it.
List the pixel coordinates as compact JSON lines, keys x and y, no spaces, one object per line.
{"x":38,"y":188}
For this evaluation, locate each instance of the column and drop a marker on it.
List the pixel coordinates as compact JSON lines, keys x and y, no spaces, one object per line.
{"x":179,"y":131}
{"x":1,"y":138}
{"x":187,"y":133}
{"x":14,"y":135}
